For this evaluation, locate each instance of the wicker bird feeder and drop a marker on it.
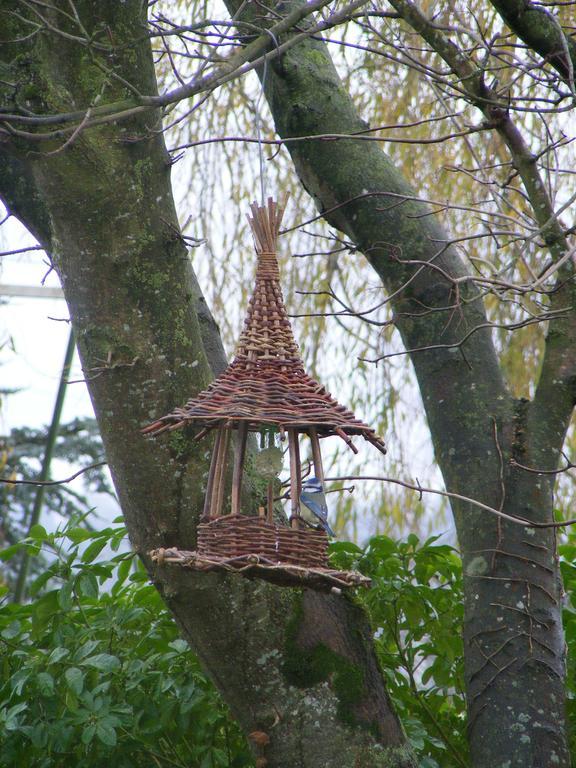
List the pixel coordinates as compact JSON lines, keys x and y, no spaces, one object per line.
{"x":264,"y":389}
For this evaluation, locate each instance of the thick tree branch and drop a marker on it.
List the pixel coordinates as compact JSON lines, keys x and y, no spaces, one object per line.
{"x":552,"y":408}
{"x":550,"y":415}
{"x":542,"y":32}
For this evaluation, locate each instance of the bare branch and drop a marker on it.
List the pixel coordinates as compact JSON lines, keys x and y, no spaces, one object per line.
{"x":420,"y":489}
{"x":10,"y":481}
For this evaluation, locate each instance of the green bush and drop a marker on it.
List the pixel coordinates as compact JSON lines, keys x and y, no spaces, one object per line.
{"x":415,"y":606}
{"x":94,"y":672}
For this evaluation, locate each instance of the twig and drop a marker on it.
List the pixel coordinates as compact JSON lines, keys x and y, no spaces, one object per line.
{"x":53,"y":482}
{"x":421,"y":489}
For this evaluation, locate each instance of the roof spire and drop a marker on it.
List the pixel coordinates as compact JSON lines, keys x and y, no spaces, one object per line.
{"x":267,"y":333}
{"x":265,"y":224}
{"x":266,"y":383}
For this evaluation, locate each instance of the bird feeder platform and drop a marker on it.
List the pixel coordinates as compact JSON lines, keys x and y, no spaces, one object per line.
{"x":252,"y":565}
{"x":265,"y":389}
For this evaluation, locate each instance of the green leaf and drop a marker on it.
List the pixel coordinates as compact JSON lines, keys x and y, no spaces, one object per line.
{"x":39,"y":735}
{"x":427,"y":675}
{"x":86,"y":649}
{"x":179,"y":645}
{"x":12,"y":630}
{"x":74,"y":679}
{"x":88,"y":734}
{"x":412,"y":540}
{"x":117,"y":541}
{"x":382,"y":546}
{"x":38,"y":533}
{"x":88,"y":585}
{"x":11,"y":722}
{"x":57,"y":654}
{"x":93,"y":550}
{"x":123,"y":570}
{"x":78,"y":535}
{"x":106,"y":733}
{"x":345,"y":546}
{"x":19,"y":679}
{"x":9,"y":552}
{"x":102,"y":661}
{"x":44,"y":609}
{"x":45,"y":683}
{"x":65,"y":596}
{"x":37,"y":585}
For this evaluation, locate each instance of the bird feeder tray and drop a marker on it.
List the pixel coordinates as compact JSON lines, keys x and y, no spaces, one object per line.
{"x":264,"y":388}
{"x":258,"y":566}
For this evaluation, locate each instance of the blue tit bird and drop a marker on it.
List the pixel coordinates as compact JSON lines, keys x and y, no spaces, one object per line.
{"x":313,"y":497}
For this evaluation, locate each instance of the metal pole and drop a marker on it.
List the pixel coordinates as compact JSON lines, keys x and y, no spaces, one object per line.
{"x":46,"y":461}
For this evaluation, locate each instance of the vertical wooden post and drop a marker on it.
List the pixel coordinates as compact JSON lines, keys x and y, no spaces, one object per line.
{"x":295,"y":480}
{"x":270,"y":510}
{"x":239,"y":467}
{"x":316,"y":454}
{"x":211,"y":475}
{"x":220,"y":475}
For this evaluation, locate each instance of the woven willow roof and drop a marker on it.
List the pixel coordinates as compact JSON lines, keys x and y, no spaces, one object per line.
{"x":266,"y":383}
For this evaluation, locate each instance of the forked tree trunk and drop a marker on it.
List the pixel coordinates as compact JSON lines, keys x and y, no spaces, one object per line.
{"x":104,"y":208}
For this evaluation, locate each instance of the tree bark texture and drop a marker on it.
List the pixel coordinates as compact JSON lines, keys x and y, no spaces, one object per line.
{"x":298,"y":666}
{"x":514,"y":648}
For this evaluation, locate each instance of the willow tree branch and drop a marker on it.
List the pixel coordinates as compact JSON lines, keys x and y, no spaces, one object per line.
{"x":471,"y":81}
{"x":10,"y":481}
{"x":420,"y":489}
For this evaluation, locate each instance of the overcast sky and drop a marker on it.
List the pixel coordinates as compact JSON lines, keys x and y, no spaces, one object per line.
{"x":34,"y":335}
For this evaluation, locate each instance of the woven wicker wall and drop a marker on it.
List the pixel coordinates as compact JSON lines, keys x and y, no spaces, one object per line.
{"x":237,"y":535}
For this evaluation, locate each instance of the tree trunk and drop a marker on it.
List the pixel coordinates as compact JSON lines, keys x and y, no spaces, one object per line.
{"x":103,"y":204}
{"x":514,"y":648}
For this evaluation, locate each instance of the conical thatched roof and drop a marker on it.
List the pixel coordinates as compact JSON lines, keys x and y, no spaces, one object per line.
{"x":266,"y":383}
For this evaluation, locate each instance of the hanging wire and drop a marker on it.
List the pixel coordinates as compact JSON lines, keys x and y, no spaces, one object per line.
{"x":263,"y":190}
{"x":259,"y":136}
